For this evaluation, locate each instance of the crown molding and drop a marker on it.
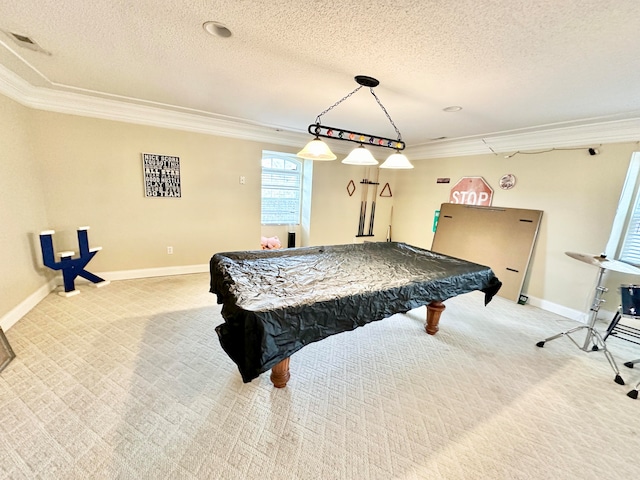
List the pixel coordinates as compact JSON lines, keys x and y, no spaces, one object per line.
{"x":41,"y":98}
{"x":551,"y":136}
{"x":593,"y":134}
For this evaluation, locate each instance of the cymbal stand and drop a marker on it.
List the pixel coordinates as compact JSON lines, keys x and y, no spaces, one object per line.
{"x":593,"y":337}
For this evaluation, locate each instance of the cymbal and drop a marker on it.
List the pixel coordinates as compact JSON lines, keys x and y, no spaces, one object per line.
{"x":604,"y":262}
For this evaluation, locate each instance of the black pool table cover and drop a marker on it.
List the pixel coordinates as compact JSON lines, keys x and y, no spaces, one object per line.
{"x":274,"y":302}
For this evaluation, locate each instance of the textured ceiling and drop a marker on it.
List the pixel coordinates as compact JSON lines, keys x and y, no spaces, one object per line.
{"x":510,"y":64}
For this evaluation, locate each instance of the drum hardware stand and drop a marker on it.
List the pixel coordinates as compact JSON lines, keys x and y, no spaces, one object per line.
{"x":593,"y":336}
{"x":624,"y":333}
{"x":633,"y":393}
{"x":614,"y":324}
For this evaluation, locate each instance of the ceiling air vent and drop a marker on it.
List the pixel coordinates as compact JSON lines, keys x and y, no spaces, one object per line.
{"x":26,"y":42}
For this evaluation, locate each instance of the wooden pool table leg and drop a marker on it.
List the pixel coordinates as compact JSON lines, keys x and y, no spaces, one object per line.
{"x":280,"y":373}
{"x":434,"y":310}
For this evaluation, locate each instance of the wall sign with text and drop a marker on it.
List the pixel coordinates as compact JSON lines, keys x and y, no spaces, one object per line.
{"x":471,"y":191}
{"x":161,"y":175}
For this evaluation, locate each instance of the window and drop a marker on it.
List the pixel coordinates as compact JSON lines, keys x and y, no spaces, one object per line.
{"x":281,"y":188}
{"x":630,"y":251}
{"x":624,"y":241}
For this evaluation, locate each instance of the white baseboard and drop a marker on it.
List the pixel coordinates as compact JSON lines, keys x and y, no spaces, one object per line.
{"x":603,"y":315}
{"x":12,"y":317}
{"x":153,"y":272}
{"x":559,"y":309}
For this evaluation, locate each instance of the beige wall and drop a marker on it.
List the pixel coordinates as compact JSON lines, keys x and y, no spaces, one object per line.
{"x":335,"y":215}
{"x":72,"y":171}
{"x":94,"y":177}
{"x":22,"y":208}
{"x":578,"y":193}
{"x":69,"y":171}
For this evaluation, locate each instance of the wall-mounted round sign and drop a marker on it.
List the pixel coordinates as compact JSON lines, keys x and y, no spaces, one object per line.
{"x":507,"y":181}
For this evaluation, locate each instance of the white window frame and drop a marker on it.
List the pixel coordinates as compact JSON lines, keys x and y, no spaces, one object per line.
{"x":290,"y":184}
{"x":624,"y":240}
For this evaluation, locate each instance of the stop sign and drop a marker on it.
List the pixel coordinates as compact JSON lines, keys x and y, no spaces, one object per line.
{"x":471,"y":191}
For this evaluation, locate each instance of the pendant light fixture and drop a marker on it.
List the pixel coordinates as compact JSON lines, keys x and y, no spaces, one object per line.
{"x":317,"y":149}
{"x":360,"y":156}
{"x":397,"y":160}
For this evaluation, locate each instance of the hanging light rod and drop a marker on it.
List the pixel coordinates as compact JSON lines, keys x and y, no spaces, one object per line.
{"x":316,"y":149}
{"x":357,"y":137}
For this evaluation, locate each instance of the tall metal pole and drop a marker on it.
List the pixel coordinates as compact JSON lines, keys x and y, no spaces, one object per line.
{"x":595,"y":306}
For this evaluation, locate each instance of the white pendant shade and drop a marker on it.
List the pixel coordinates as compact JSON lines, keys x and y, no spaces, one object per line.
{"x":396,"y":160}
{"x":317,"y":150}
{"x":360,"y":156}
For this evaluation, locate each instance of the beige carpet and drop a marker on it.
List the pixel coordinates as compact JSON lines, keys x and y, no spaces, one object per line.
{"x":129,"y":382}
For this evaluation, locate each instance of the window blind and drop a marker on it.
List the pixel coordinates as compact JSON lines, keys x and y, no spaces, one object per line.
{"x":630,"y":252}
{"x":281,"y":190}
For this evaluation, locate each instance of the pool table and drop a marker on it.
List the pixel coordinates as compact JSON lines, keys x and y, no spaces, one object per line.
{"x":274,"y":302}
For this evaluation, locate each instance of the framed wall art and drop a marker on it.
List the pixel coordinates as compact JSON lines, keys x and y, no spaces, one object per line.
{"x":161,"y":175}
